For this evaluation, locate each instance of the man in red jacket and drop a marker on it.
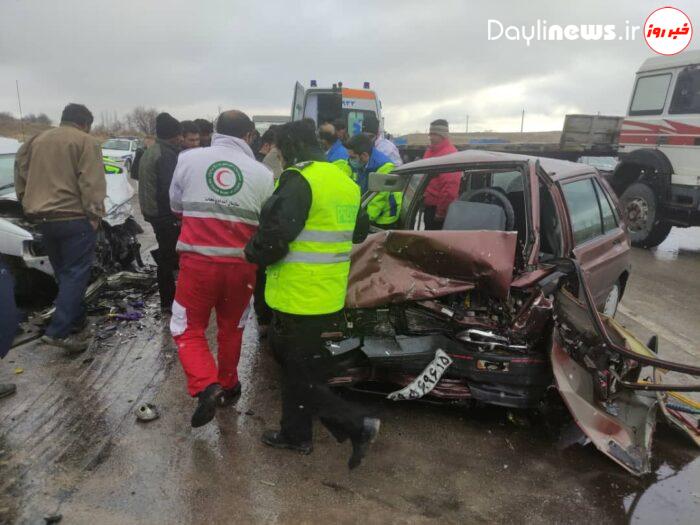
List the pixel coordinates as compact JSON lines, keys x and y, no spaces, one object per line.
{"x":444,"y":188}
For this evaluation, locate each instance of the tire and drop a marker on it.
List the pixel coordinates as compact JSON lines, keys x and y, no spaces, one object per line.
{"x":613,"y":300}
{"x":127,"y":165}
{"x":640,"y":207}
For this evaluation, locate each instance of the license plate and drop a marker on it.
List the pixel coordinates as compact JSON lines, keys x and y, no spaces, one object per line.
{"x":426,"y":380}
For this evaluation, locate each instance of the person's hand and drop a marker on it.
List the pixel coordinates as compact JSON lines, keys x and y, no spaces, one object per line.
{"x":95,"y":223}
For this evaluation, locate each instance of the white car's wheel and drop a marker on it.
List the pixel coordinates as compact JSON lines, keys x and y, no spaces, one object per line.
{"x":613,"y":300}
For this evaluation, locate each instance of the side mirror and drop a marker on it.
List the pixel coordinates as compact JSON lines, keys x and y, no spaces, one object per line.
{"x":387,"y":182}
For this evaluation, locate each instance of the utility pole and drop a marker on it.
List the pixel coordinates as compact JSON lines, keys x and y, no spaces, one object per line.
{"x":19,"y":103}
{"x":466,"y":129}
{"x":522,"y":121}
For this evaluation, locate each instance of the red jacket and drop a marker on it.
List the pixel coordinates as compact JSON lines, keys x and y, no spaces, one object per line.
{"x":443,"y":189}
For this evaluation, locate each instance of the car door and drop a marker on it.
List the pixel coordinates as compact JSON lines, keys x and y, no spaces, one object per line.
{"x":619,"y":422}
{"x":298,"y":102}
{"x":600,"y":243}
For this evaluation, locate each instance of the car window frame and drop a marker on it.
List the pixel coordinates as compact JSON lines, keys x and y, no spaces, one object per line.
{"x":597,"y":188}
{"x":514,"y":165}
{"x":608,"y":199}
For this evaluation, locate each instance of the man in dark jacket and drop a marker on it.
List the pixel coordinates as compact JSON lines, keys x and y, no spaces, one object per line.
{"x":206,"y":128}
{"x":155,"y":174}
{"x":190,"y":134}
{"x":8,"y":321}
{"x":306,"y":230}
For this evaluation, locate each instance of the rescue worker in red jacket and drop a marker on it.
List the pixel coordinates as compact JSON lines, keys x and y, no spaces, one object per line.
{"x":219,"y":192}
{"x":443,"y":189}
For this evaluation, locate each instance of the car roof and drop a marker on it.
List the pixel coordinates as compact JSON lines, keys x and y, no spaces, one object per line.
{"x":9,"y":146}
{"x":555,"y":168}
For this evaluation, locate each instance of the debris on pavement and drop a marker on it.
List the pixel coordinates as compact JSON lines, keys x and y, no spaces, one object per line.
{"x":147,"y":412}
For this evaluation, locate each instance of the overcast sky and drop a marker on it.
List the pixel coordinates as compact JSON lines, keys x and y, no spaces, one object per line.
{"x":426,"y":59}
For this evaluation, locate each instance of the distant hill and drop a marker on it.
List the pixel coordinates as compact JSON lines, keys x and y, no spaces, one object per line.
{"x":11,"y":129}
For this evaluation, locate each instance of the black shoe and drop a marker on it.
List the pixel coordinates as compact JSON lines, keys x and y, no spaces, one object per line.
{"x":206,"y":408}
{"x":229,"y":396}
{"x":275,"y":439}
{"x":74,"y":343}
{"x":7,"y":389}
{"x":370,"y":429}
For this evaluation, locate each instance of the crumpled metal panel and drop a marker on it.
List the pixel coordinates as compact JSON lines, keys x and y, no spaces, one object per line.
{"x":622,"y":429}
{"x":397,"y":266}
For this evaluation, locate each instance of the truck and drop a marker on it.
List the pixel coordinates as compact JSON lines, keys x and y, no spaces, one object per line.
{"x":264,"y":122}
{"x":658,"y":176}
{"x":655,"y":147}
{"x":328,"y":104}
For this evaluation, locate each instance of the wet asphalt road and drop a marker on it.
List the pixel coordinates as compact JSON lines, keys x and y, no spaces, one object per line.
{"x":70,"y":445}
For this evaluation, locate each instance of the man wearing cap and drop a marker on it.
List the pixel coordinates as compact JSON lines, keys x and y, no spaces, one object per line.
{"x":443,"y":189}
{"x":156,"y":169}
{"x":370,"y":126}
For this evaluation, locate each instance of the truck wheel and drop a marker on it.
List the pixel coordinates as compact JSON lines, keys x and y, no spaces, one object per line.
{"x":641,"y":214}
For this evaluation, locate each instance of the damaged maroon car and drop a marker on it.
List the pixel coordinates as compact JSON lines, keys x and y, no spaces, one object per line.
{"x":515,"y":295}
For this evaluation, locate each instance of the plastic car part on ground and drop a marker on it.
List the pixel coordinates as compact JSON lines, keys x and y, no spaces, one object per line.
{"x":146,"y":412}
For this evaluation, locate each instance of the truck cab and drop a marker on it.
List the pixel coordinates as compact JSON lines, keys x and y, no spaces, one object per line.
{"x":658,"y":177}
{"x":337,"y":102}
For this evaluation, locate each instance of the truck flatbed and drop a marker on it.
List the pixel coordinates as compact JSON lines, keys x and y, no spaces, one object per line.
{"x":581,"y":135}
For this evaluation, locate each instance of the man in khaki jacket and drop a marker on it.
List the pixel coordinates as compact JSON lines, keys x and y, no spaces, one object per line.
{"x":60,"y":182}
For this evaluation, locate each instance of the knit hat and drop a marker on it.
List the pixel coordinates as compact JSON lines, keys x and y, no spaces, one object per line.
{"x":439,"y":127}
{"x":167,"y":126}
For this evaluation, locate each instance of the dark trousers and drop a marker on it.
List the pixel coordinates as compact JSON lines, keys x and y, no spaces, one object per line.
{"x":10,"y":316}
{"x":262,"y":311}
{"x":296,"y":343}
{"x":167,"y":231}
{"x":431,"y":223}
{"x":70,"y":246}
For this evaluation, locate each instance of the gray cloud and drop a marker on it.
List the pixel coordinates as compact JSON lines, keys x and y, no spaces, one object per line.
{"x":426,"y":60}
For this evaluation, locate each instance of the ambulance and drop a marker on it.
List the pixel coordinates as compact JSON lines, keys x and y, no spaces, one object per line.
{"x":336,"y":102}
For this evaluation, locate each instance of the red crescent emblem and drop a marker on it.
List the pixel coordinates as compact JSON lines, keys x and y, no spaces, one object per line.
{"x":218,"y":177}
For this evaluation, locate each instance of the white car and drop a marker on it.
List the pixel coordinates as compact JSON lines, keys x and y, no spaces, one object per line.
{"x":20,"y":241}
{"x":121,"y":151}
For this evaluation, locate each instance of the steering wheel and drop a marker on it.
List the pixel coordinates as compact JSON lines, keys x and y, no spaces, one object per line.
{"x":493,"y":196}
